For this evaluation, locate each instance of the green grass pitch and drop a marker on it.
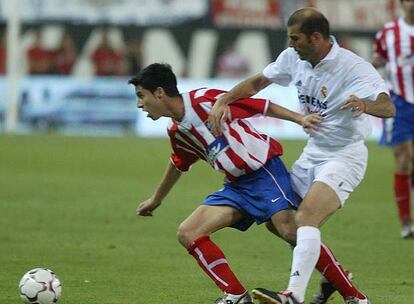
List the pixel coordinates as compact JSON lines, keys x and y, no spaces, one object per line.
{"x":69,"y":203}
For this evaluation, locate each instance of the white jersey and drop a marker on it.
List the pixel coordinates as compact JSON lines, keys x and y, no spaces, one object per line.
{"x":326,"y":87}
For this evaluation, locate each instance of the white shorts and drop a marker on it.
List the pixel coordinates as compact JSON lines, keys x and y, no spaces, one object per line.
{"x":342,"y":169}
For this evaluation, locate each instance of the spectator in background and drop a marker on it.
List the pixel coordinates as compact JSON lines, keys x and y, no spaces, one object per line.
{"x":107,"y":60}
{"x":134,"y":57}
{"x":41,"y":60}
{"x":65,"y":55}
{"x":394,"y":48}
{"x":2,"y":53}
{"x":231,"y":64}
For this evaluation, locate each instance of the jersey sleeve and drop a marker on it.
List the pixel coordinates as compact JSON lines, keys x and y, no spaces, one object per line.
{"x":182,"y":156}
{"x":380,"y":47}
{"x":279,"y":71}
{"x":248,"y":107}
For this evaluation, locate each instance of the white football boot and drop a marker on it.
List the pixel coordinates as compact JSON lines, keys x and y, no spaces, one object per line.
{"x":354,"y":300}
{"x":407,"y":231}
{"x":235,"y":299}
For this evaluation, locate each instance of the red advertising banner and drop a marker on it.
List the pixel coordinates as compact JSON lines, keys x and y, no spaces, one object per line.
{"x":246,"y":13}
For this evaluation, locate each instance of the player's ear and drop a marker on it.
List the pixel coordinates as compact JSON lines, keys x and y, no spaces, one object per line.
{"x":159,"y":92}
{"x":316,"y":36}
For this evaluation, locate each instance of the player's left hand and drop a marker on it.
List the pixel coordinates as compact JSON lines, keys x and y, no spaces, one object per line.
{"x":356,"y":105}
{"x":219,"y":113}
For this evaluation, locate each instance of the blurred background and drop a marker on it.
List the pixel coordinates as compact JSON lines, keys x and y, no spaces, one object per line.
{"x":65,"y":65}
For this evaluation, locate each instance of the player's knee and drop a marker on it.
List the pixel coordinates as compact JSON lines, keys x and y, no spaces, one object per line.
{"x":404,"y":163}
{"x":185,"y":235}
{"x":304,"y":217}
{"x":287,"y":231}
{"x":403,"y":159}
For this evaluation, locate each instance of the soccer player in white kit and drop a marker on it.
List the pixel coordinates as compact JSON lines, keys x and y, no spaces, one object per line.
{"x":344,"y":88}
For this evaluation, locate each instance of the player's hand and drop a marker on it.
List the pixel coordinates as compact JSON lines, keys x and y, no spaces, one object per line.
{"x":219,"y":113}
{"x":356,"y":105}
{"x":146,"y":208}
{"x":311,"y":122}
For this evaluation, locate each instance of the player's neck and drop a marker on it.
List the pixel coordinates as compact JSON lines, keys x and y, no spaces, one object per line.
{"x":409,"y":20}
{"x":325,"y":49}
{"x":177,"y":108}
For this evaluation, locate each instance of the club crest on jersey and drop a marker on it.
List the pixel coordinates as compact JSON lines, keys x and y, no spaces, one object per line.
{"x":324,"y":91}
{"x":215,"y":148}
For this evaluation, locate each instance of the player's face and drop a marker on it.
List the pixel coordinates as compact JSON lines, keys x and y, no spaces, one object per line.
{"x":408,"y":8}
{"x":301,"y":43}
{"x":149,"y":103}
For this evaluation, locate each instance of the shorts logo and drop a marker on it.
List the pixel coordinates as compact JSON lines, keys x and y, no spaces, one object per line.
{"x":275,"y":200}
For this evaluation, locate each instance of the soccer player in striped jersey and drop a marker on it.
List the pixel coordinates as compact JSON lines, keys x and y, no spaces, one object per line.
{"x":394,"y":47}
{"x":256,"y":189}
{"x":344,"y":88}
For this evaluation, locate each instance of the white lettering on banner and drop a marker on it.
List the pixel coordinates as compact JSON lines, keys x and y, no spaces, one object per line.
{"x":203,"y":45}
{"x":160,"y":46}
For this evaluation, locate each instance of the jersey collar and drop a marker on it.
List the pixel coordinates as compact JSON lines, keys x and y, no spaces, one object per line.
{"x":331,"y":56}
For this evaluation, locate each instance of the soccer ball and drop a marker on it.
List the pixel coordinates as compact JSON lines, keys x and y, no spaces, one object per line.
{"x":40,"y":286}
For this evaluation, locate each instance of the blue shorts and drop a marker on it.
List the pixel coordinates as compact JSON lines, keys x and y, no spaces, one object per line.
{"x":258,"y":195}
{"x":400,"y":128}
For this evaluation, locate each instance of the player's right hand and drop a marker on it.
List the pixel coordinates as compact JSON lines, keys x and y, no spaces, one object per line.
{"x":146,"y":208}
{"x":219,"y":113}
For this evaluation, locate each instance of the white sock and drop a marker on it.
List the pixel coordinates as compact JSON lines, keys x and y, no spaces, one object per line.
{"x":305,"y":257}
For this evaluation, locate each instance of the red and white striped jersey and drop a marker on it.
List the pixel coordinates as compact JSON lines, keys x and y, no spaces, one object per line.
{"x":395,"y":44}
{"x":239,"y":150}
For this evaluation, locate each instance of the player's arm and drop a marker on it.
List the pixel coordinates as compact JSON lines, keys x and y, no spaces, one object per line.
{"x":170,"y":177}
{"x":382,"y":107}
{"x":247,"y":88}
{"x":308,"y":122}
{"x":378,"y":62}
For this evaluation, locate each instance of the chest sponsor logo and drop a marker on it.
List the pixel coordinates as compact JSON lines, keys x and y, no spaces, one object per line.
{"x":313,"y":103}
{"x":215,"y":148}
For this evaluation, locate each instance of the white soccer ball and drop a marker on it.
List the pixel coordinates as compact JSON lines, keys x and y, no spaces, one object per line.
{"x":40,"y":286}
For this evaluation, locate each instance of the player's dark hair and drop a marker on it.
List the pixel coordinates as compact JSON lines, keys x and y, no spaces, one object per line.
{"x":157,"y":75}
{"x":310,"y":21}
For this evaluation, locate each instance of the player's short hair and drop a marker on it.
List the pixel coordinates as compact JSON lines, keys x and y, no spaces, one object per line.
{"x":310,"y":21}
{"x":157,"y":75}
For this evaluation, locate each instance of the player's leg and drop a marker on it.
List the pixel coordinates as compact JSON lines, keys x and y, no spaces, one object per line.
{"x":398,"y":133}
{"x":332,"y":183}
{"x":282,"y":224}
{"x":194,"y":234}
{"x":404,"y":153}
{"x":335,"y":277}
{"x":319,"y":203}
